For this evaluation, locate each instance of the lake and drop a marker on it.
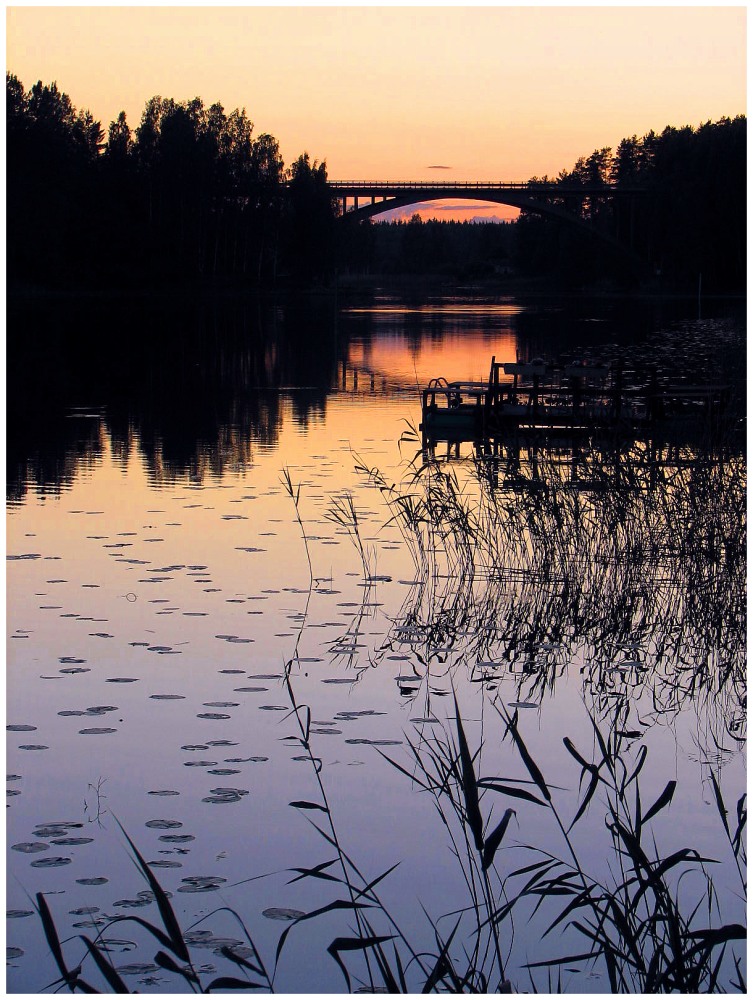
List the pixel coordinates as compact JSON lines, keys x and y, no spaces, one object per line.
{"x":229,"y":591}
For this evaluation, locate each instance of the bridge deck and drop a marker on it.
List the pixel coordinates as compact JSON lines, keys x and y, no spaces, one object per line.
{"x":383,"y":187}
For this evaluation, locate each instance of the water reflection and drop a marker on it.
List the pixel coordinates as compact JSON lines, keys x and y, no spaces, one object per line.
{"x":156,"y":607}
{"x":638,"y":577}
{"x":200,"y":386}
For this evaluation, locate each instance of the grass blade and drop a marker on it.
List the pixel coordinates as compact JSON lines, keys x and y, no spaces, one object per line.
{"x":107,"y":969}
{"x":664,"y":799}
{"x":470,"y":788}
{"x":51,"y":934}
{"x":225,"y":983}
{"x":529,"y":762}
{"x":177,"y":944}
{"x":495,"y":839}
{"x":353,"y":944}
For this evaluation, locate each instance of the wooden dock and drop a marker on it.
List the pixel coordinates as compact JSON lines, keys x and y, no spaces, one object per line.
{"x":577,"y":398}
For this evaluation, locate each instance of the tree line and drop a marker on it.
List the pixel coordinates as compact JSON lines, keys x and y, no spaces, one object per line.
{"x":687,"y":223}
{"x":192,"y":195}
{"x":446,"y":248}
{"x":678,"y":218}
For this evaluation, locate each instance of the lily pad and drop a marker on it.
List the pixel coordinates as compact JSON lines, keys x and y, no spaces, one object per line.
{"x":282,"y":913}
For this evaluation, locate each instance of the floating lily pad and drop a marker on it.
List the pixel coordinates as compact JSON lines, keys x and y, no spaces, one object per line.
{"x":206,"y":939}
{"x":54,"y":862}
{"x":47,"y":830}
{"x":136,"y":969}
{"x":377,"y":743}
{"x":201,"y":883}
{"x":282,"y":913}
{"x":224,"y":796}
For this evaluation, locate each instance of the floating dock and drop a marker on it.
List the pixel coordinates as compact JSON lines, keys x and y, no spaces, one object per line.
{"x":574,"y":398}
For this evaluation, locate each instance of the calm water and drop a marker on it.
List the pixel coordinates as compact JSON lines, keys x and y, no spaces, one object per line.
{"x":158,"y":585}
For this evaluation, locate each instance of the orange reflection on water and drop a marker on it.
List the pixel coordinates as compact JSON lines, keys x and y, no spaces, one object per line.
{"x":457,"y":354}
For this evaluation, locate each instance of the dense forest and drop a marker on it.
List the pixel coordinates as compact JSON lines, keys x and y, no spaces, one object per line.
{"x":189,"y":195}
{"x":689,"y":220}
{"x":192,"y":197}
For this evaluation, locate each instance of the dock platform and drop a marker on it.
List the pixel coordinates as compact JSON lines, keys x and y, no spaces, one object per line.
{"x":535,"y":396}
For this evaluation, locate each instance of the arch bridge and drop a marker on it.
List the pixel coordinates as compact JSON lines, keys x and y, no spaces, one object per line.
{"x":363,"y":199}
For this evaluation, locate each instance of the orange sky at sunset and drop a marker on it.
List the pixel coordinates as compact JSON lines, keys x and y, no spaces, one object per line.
{"x":492,"y":93}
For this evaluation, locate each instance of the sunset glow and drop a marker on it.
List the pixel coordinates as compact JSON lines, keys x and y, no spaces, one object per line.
{"x":485,"y":93}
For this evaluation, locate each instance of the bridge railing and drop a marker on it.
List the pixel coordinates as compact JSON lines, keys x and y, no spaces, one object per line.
{"x":411,"y":185}
{"x":368,"y":187}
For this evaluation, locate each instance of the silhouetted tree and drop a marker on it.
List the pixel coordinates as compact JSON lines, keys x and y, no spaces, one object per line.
{"x":192,"y":196}
{"x":309,"y":221}
{"x":689,"y":220}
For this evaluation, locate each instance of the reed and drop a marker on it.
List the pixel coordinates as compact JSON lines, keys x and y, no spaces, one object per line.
{"x":173,"y":954}
{"x":642,"y":579}
{"x":643,"y":569}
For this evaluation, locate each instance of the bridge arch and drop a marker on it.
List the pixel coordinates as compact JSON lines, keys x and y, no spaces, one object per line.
{"x":534,"y":197}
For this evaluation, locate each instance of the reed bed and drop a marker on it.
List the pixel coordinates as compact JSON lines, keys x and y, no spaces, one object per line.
{"x":644,"y":576}
{"x":653,"y":924}
{"x":643,"y":573}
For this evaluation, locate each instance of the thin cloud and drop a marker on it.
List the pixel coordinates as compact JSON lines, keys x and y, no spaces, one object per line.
{"x":438,"y":166}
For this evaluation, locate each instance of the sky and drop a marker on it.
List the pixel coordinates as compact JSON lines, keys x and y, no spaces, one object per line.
{"x":403,"y":93}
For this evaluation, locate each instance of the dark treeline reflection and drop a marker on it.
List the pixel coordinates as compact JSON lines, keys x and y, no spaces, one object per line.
{"x":194,"y":381}
{"x":197,"y":381}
